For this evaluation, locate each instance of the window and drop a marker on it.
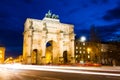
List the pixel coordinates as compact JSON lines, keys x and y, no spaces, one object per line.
{"x":76,"y":47}
{"x":88,"y":52}
{"x":102,"y":50}
{"x":80,"y":52}
{"x":80,"y":48}
{"x":88,"y":56}
{"x":83,"y":43}
{"x":76,"y":51}
{"x":76,"y":56}
{"x":84,"y":52}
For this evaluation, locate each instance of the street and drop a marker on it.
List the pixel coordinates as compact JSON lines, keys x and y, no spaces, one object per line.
{"x":29,"y":72}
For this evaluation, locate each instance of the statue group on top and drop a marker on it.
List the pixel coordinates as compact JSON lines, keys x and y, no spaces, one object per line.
{"x":50,"y":15}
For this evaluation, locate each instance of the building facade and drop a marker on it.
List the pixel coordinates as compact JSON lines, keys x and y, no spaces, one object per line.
{"x":82,"y":51}
{"x":39,"y":33}
{"x":110,"y":53}
{"x":87,"y":52}
{"x":2,"y":55}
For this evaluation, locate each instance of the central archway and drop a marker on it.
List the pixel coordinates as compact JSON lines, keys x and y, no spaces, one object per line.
{"x":50,"y":50}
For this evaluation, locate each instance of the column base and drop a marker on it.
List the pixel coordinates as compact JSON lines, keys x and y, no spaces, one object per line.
{"x":29,"y":60}
{"x":60,"y":60}
{"x":43,"y":61}
{"x":72,"y":60}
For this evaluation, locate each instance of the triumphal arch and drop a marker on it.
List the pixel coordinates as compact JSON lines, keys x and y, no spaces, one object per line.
{"x":48,"y":41}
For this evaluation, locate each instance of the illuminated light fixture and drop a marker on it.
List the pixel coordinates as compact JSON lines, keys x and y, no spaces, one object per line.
{"x":88,"y":56}
{"x":0,"y":51}
{"x":83,"y":39}
{"x":76,"y":56}
{"x":88,"y":49}
{"x":0,"y":55}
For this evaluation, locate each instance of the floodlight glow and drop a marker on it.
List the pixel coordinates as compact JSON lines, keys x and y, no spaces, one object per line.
{"x":83,"y":39}
{"x":88,"y":50}
{"x":0,"y":51}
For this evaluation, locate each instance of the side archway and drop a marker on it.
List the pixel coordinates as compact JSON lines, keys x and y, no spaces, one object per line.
{"x":65,"y":57}
{"x":35,"y":56}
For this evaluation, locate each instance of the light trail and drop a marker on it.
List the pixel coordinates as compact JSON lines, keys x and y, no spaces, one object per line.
{"x":82,"y":68}
{"x":58,"y":69}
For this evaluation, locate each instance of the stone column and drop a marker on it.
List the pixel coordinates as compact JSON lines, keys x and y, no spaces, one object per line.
{"x":29,"y":48}
{"x":61,"y":48}
{"x":43,"y":52}
{"x":55,"y":53}
{"x":72,"y":50}
{"x":43,"y":46}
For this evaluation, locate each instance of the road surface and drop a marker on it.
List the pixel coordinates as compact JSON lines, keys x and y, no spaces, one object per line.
{"x":57,"y":73}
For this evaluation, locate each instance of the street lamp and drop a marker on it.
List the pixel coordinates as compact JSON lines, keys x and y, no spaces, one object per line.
{"x":88,"y":50}
{"x":83,"y":39}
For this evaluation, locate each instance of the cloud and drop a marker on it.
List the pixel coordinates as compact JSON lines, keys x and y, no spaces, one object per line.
{"x":99,"y":1}
{"x":94,"y":1}
{"x":104,"y":33}
{"x":105,"y":1}
{"x":108,"y":32}
{"x":113,"y":14}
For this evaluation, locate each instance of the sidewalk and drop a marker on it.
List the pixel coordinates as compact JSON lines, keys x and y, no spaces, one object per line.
{"x":111,"y":67}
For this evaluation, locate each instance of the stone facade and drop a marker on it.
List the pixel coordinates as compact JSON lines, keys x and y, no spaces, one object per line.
{"x":37,"y":33}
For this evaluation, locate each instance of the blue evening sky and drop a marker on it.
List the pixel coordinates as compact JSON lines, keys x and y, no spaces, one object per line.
{"x":104,"y":14}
